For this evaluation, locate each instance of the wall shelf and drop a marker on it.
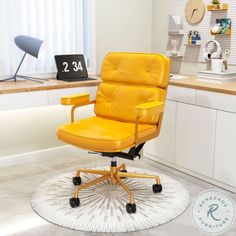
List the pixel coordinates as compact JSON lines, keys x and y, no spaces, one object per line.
{"x":179,"y":55}
{"x":220,"y":7}
{"x":227,"y":33}
{"x":192,"y":45}
{"x":180,"y":33}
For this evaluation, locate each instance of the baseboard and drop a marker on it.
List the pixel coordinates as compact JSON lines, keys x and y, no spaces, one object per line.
{"x":192,"y":173}
{"x":32,"y":156}
{"x":159,"y":160}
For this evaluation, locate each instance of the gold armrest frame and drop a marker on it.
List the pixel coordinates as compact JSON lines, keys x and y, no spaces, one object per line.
{"x":72,"y":113}
{"x":76,"y":100}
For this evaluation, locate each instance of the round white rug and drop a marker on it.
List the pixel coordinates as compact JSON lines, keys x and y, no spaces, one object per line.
{"x":103,"y":207}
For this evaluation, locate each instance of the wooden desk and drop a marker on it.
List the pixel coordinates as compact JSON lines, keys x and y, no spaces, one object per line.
{"x":29,"y":86}
{"x":189,"y":82}
{"x":28,"y":94}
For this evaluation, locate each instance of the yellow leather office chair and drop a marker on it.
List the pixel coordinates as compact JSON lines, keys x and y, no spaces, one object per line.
{"x":129,"y":107}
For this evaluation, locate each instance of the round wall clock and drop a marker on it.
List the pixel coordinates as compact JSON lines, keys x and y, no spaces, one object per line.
{"x":194,"y":11}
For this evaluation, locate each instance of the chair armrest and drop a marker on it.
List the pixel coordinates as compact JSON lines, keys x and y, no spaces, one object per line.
{"x":76,"y":100}
{"x":79,"y":98}
{"x":145,"y":109}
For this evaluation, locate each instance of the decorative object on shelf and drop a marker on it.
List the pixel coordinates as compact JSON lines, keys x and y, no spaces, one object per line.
{"x":216,"y":77}
{"x":209,"y":53}
{"x":30,"y":46}
{"x":177,"y":77}
{"x":194,"y":11}
{"x":216,"y":29}
{"x":226,"y":52}
{"x":175,"y":25}
{"x":194,"y":38}
{"x":217,"y":6}
{"x":222,"y":27}
{"x":219,"y":65}
{"x":225,"y":56}
{"x":215,"y":2}
{"x":174,"y":52}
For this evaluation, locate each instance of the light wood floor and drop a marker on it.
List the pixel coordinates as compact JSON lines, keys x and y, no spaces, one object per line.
{"x":18,"y":182}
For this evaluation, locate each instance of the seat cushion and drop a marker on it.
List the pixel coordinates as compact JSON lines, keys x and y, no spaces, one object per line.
{"x":104,"y":135}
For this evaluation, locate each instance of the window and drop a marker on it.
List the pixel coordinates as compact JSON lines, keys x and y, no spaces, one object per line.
{"x":64,"y":25}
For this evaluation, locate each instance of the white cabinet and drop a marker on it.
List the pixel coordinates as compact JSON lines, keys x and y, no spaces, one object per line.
{"x":180,"y":94}
{"x":14,"y":101}
{"x":195,"y":136}
{"x":225,"y":152}
{"x":163,"y":146}
{"x":219,"y":101}
{"x":198,"y":135}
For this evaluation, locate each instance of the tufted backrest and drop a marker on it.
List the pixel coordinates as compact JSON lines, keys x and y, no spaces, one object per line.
{"x":131,"y":79}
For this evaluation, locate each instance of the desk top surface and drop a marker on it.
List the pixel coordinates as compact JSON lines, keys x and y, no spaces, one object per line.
{"x":189,"y":82}
{"x":29,"y":86}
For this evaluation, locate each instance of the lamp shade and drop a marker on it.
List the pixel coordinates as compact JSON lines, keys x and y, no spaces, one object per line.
{"x":29,"y":44}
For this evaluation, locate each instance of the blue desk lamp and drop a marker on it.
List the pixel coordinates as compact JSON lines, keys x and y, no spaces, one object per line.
{"x":30,"y":46}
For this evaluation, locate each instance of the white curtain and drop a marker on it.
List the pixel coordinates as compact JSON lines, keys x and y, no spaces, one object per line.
{"x":58,"y":22}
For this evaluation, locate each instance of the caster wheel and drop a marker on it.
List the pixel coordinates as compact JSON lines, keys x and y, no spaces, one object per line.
{"x":157,"y":188}
{"x":76,"y":180}
{"x":130,"y":208}
{"x":74,"y":202}
{"x":124,"y":171}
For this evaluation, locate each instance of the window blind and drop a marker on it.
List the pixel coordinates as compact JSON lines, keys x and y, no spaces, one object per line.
{"x":60,"y":23}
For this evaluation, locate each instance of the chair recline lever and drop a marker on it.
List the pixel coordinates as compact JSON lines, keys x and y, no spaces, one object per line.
{"x":132,"y":154}
{"x":94,"y":153}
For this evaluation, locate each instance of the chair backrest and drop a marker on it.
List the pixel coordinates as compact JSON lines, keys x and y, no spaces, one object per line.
{"x":130,"y":79}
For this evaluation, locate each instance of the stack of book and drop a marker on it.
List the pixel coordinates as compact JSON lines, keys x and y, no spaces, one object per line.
{"x":211,"y":76}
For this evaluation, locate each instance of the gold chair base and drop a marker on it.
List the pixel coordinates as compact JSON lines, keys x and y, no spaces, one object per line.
{"x":115,"y":175}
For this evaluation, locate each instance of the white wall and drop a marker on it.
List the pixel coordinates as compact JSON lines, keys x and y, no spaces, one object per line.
{"x":159,"y":29}
{"x":160,"y":22}
{"x":122,"y":25}
{"x":160,"y":39}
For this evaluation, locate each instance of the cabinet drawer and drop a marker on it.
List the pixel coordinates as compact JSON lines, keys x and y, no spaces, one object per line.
{"x":219,"y":101}
{"x":13,"y":101}
{"x":181,"y":94}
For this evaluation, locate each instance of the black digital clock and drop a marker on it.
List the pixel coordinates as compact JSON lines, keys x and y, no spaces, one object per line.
{"x":71,"y":67}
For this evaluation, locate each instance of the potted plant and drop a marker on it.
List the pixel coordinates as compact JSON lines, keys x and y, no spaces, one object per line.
{"x":216,"y":4}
